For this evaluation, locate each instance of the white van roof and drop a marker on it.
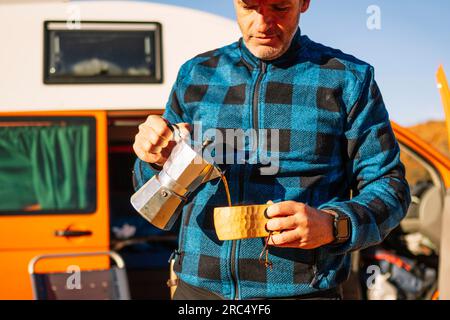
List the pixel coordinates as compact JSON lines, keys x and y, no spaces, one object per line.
{"x":186,"y":33}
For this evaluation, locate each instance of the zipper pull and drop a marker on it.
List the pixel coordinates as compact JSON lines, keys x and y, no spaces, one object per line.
{"x":263,"y":67}
{"x":173,"y":255}
{"x":317,"y":276}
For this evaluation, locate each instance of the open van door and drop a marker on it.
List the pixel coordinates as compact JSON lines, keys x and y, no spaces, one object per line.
{"x":444,"y":266}
{"x":53,"y":195}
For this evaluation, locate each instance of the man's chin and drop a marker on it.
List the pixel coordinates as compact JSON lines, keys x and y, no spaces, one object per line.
{"x":267,"y":53}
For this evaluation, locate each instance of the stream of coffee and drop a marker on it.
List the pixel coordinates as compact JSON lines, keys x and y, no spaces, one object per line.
{"x":227,"y":189}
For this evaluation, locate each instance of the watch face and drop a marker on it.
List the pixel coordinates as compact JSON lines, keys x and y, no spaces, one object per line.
{"x":343,"y":228}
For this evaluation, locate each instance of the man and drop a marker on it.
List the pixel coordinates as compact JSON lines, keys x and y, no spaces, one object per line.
{"x":335,"y":139}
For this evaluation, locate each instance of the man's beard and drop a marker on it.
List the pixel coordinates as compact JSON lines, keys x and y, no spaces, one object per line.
{"x":269,"y":53}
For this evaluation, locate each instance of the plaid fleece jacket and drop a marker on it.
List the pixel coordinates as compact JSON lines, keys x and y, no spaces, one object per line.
{"x":335,"y":137}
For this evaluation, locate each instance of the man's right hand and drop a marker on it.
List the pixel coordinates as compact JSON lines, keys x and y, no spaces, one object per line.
{"x":154,"y":141}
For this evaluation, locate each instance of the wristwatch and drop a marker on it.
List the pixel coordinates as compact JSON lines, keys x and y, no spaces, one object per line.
{"x":341,"y":227}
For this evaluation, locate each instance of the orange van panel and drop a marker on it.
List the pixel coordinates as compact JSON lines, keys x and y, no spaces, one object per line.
{"x":14,"y":277}
{"x":24,"y":236}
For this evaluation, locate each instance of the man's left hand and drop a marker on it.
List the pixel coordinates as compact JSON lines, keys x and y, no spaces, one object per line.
{"x":300,"y":226}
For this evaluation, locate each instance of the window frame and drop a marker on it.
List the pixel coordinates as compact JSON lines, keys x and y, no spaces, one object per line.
{"x":73,"y":80}
{"x":92,"y":171}
{"x":435,"y":175}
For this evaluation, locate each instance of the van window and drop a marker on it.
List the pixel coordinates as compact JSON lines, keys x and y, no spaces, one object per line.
{"x":102,"y":52}
{"x":416,"y":173}
{"x":421,"y":178}
{"x":47,"y":165}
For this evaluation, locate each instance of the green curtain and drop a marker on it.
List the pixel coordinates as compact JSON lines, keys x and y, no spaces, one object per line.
{"x":44,"y":165}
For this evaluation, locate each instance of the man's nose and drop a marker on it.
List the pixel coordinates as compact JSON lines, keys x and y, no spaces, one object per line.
{"x":263,"y":20}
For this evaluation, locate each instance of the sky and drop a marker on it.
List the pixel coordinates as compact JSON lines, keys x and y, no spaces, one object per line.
{"x":413,"y":40}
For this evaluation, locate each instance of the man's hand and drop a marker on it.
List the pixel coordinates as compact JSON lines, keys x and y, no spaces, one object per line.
{"x":154,"y":141}
{"x":300,"y":226}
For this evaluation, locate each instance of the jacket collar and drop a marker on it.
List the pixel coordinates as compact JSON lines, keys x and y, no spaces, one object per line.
{"x":297,"y":47}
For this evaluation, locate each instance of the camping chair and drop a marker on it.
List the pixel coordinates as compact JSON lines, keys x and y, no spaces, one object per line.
{"x":109,"y":284}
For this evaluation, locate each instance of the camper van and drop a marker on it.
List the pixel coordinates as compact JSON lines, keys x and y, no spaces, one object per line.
{"x":77,"y":79}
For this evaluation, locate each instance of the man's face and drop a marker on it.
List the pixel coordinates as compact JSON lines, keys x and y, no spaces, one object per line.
{"x":268,"y":26}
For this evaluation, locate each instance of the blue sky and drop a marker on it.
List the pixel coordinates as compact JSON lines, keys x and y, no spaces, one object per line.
{"x":413,"y":41}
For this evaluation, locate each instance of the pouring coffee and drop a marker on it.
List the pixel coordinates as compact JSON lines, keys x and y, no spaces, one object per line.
{"x":160,"y":199}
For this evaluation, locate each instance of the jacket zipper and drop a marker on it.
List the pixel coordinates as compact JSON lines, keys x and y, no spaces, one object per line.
{"x":233,"y":270}
{"x":263,"y":68}
{"x":234,"y":242}
{"x":255,"y":103}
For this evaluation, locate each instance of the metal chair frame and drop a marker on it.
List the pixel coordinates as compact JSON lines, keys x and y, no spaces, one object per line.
{"x":121,"y":284}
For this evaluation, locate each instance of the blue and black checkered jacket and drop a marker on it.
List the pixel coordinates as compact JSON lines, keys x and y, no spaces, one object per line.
{"x":335,"y":140}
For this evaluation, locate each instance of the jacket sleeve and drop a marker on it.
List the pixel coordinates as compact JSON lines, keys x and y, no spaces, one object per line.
{"x":381,"y":193}
{"x":174,"y":113}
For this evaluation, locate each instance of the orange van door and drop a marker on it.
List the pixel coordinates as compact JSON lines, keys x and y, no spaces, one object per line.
{"x":53,"y":193}
{"x":444,"y":263}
